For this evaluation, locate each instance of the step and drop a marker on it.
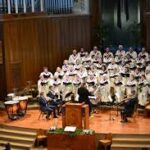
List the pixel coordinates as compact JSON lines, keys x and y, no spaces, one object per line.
{"x":16,"y":144}
{"x":17,"y":138}
{"x":17,"y":128}
{"x":131,"y":139}
{"x":136,"y":136}
{"x":17,"y":132}
{"x":137,"y":145}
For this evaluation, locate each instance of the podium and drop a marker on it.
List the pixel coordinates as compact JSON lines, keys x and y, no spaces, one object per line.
{"x":75,"y":114}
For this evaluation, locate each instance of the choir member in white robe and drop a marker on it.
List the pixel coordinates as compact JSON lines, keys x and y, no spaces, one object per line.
{"x":82,"y":73}
{"x":143,"y":54}
{"x":57,"y":85}
{"x":95,"y":52}
{"x":119,"y":90}
{"x":91,"y":83}
{"x":73,"y":57}
{"x":113,"y":71}
{"x":131,"y":53}
{"x":131,"y":85}
{"x":82,"y":53}
{"x":59,"y":73}
{"x":43,"y":85}
{"x":147,"y":73}
{"x":67,"y":87}
{"x":120,"y":52}
{"x":104,"y":89}
{"x":46,"y":73}
{"x":108,"y":53}
{"x":65,"y":66}
{"x":143,"y":91}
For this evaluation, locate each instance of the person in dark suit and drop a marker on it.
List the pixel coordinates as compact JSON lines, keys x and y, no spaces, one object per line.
{"x":54,"y":99}
{"x":129,"y":107}
{"x":84,"y":96}
{"x":45,"y":107}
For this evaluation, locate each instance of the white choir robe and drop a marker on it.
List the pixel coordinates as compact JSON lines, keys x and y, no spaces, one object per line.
{"x":145,"y":54}
{"x":129,"y":89}
{"x":97,"y":53}
{"x":143,"y":95}
{"x":133,"y":54}
{"x":108,"y":53}
{"x":104,"y":92}
{"x":120,"y":53}
{"x":73,"y":58}
{"x":119,"y":92}
{"x":43,"y":88}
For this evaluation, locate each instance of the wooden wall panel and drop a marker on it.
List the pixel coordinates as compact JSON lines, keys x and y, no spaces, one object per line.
{"x":33,"y":42}
{"x":147,"y":24}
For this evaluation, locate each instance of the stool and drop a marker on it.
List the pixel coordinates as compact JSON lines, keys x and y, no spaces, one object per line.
{"x":106,"y":142}
{"x":41,"y":136}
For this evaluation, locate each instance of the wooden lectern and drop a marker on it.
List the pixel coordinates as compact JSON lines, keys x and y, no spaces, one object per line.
{"x":75,"y":114}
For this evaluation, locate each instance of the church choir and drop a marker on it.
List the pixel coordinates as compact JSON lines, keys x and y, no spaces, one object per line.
{"x":105,"y":75}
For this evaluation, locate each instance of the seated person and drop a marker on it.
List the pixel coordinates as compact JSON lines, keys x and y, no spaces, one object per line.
{"x":129,"y":107}
{"x":45,"y":107}
{"x":54,"y":99}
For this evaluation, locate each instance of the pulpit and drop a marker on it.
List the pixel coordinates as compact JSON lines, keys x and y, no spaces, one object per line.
{"x":75,"y":114}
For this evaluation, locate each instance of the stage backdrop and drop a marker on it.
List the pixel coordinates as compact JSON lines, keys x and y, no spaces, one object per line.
{"x":31,"y":42}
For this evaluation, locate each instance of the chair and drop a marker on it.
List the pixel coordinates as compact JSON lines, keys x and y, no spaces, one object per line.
{"x":42,"y":113}
{"x":106,"y":142}
{"x":41,"y":136}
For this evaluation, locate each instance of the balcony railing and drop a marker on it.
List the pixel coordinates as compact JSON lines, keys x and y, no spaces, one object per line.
{"x":49,"y":6}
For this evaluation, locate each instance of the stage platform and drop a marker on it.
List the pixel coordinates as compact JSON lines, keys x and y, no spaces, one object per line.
{"x":102,"y":122}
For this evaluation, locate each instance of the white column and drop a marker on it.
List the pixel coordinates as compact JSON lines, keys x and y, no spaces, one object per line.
{"x":24,"y":6}
{"x":42,"y":5}
{"x":16,"y":6}
{"x":8,"y":5}
{"x":32,"y":5}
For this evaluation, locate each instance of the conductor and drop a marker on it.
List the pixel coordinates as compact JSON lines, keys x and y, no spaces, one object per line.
{"x":129,"y":107}
{"x":84,"y":96}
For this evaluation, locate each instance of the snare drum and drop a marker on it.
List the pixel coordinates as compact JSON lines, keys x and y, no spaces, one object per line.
{"x":12,"y":109}
{"x":23,"y":101}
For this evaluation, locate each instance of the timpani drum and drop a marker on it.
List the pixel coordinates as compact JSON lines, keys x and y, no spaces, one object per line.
{"x":23,"y":101}
{"x":10,"y":96}
{"x":12,"y":109}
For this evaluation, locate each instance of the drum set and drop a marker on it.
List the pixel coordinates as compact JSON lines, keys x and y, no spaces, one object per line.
{"x":16,"y":106}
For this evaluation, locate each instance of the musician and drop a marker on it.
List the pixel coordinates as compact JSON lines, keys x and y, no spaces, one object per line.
{"x":54,"y":99}
{"x":73,"y":57}
{"x":95,"y":52}
{"x":45,"y":107}
{"x":120,"y":52}
{"x":84,"y":96}
{"x":131,"y":53}
{"x":129,"y":107}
